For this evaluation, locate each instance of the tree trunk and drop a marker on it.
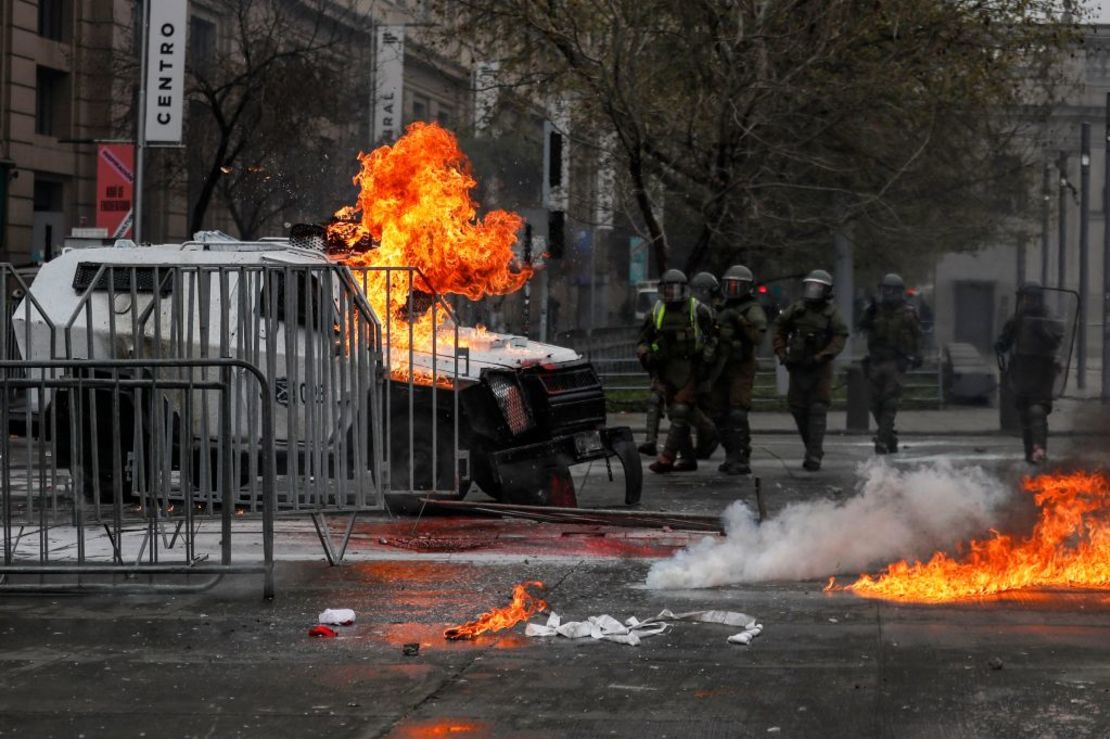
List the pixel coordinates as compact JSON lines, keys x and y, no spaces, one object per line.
{"x":655,"y":231}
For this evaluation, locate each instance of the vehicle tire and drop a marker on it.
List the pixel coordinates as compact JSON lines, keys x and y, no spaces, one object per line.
{"x":97,"y":440}
{"x":484,"y":475}
{"x":404,"y":501}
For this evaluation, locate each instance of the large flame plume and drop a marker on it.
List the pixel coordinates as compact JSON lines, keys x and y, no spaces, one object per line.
{"x":414,"y":202}
{"x":523,"y":606}
{"x":1068,"y":547}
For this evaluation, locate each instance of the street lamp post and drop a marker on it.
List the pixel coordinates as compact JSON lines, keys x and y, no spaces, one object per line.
{"x":1062,"y":221}
{"x":1084,"y":244}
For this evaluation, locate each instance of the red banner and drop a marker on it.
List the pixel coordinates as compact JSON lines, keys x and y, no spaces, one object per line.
{"x":115,"y":185}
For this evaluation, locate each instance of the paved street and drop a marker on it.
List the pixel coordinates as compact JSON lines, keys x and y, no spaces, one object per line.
{"x":226,"y":663}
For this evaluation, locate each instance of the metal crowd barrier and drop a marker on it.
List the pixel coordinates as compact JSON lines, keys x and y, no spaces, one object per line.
{"x":354,"y":399}
{"x":92,"y":490}
{"x":420,"y":397}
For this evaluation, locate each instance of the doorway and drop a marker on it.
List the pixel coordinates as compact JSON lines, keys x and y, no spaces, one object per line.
{"x":975,"y":314}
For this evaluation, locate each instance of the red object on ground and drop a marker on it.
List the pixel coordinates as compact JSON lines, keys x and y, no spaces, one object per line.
{"x":322,"y":632}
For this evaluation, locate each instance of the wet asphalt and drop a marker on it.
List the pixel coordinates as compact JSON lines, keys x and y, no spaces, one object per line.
{"x":226,"y":663}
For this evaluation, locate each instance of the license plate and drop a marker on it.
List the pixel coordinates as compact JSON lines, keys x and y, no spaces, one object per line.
{"x":587,"y":442}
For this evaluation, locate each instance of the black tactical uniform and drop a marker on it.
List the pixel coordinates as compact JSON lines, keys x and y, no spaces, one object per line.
{"x":676,"y":344}
{"x":808,"y":335}
{"x":893,"y":346}
{"x":741,"y":326}
{"x":1032,"y":337}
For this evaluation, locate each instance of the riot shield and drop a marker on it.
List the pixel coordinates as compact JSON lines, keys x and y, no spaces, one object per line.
{"x":1042,"y":333}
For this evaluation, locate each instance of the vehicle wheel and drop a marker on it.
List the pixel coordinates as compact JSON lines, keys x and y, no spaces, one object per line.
{"x":97,"y":441}
{"x":422,"y":483}
{"x":484,"y":475}
{"x":544,"y":481}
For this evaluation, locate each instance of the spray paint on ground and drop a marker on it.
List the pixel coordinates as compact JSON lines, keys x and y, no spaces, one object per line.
{"x":895,"y":514}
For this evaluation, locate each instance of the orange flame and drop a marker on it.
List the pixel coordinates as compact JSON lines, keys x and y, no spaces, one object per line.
{"x":415,"y":203}
{"x":1068,"y":547}
{"x":523,"y":606}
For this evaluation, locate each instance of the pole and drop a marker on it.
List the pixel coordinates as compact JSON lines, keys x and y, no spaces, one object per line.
{"x":1062,"y":240}
{"x":593,"y":284}
{"x":140,"y":138}
{"x":1045,"y":200}
{"x":527,"y":322}
{"x":1084,"y":245}
{"x":1106,"y":266}
{"x":843,"y":278}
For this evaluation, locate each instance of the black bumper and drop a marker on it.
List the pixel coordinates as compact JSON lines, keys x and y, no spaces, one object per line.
{"x":568,"y":449}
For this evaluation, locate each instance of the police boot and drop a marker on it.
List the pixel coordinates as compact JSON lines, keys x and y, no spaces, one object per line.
{"x":678,"y":442}
{"x":654,"y":410}
{"x":815,"y":437}
{"x":708,"y":437}
{"x":1027,"y":440}
{"x":726,"y":440}
{"x":679,"y":438}
{"x":739,"y":438}
{"x":801,"y":420}
{"x":885,"y":440}
{"x":1038,"y":432}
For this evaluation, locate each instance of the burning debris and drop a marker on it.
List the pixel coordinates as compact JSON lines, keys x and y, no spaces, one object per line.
{"x":1068,"y":547}
{"x":896,"y":514}
{"x":415,"y":204}
{"x":524,"y":605}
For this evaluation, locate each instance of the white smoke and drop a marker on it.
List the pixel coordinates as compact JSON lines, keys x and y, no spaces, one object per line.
{"x":896,"y":514}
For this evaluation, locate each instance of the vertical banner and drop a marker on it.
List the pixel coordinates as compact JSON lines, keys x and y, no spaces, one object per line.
{"x":485,"y":95}
{"x":606,"y":182}
{"x":389,"y":83}
{"x":165,"y":71}
{"x":115,"y":182}
{"x":637,"y":260}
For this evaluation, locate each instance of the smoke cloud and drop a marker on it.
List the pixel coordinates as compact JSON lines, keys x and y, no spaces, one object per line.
{"x":896,"y":514}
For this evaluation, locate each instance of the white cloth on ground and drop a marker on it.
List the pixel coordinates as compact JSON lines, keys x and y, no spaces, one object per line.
{"x":337,"y":616}
{"x":607,"y":628}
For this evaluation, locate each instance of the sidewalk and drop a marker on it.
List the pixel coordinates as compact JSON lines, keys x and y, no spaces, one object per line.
{"x":1070,"y":416}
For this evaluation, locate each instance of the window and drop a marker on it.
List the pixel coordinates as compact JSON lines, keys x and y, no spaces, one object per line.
{"x":419,"y":108}
{"x":52,"y":19}
{"x":202,"y":43}
{"x":47,"y":194}
{"x":51,"y":102}
{"x":445,"y":116}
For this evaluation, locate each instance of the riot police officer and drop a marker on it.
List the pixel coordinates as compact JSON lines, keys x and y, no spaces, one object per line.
{"x":893,"y":346}
{"x":808,"y":335}
{"x":706,"y":290}
{"x":741,"y":326}
{"x":1032,"y":337}
{"x":677,"y":343}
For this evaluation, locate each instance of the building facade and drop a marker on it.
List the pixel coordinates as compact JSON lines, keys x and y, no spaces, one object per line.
{"x":974,"y":292}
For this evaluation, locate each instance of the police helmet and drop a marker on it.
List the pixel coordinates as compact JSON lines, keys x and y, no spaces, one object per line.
{"x":817,"y":286}
{"x":1031,"y":295}
{"x":673,"y":286}
{"x":705,"y":287}
{"x":892,"y":289}
{"x":738,"y":281}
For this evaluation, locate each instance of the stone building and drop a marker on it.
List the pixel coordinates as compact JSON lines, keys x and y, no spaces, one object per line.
{"x":974,"y":292}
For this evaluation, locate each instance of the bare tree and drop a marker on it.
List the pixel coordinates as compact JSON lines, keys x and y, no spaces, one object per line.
{"x":270,"y":100}
{"x":773,"y":123}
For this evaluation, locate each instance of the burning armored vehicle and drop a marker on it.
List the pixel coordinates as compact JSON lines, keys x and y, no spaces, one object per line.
{"x":372,"y":382}
{"x":352,"y":391}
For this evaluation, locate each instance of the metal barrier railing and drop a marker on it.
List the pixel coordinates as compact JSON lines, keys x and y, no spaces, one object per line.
{"x":363,"y":408}
{"x":82,"y":469}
